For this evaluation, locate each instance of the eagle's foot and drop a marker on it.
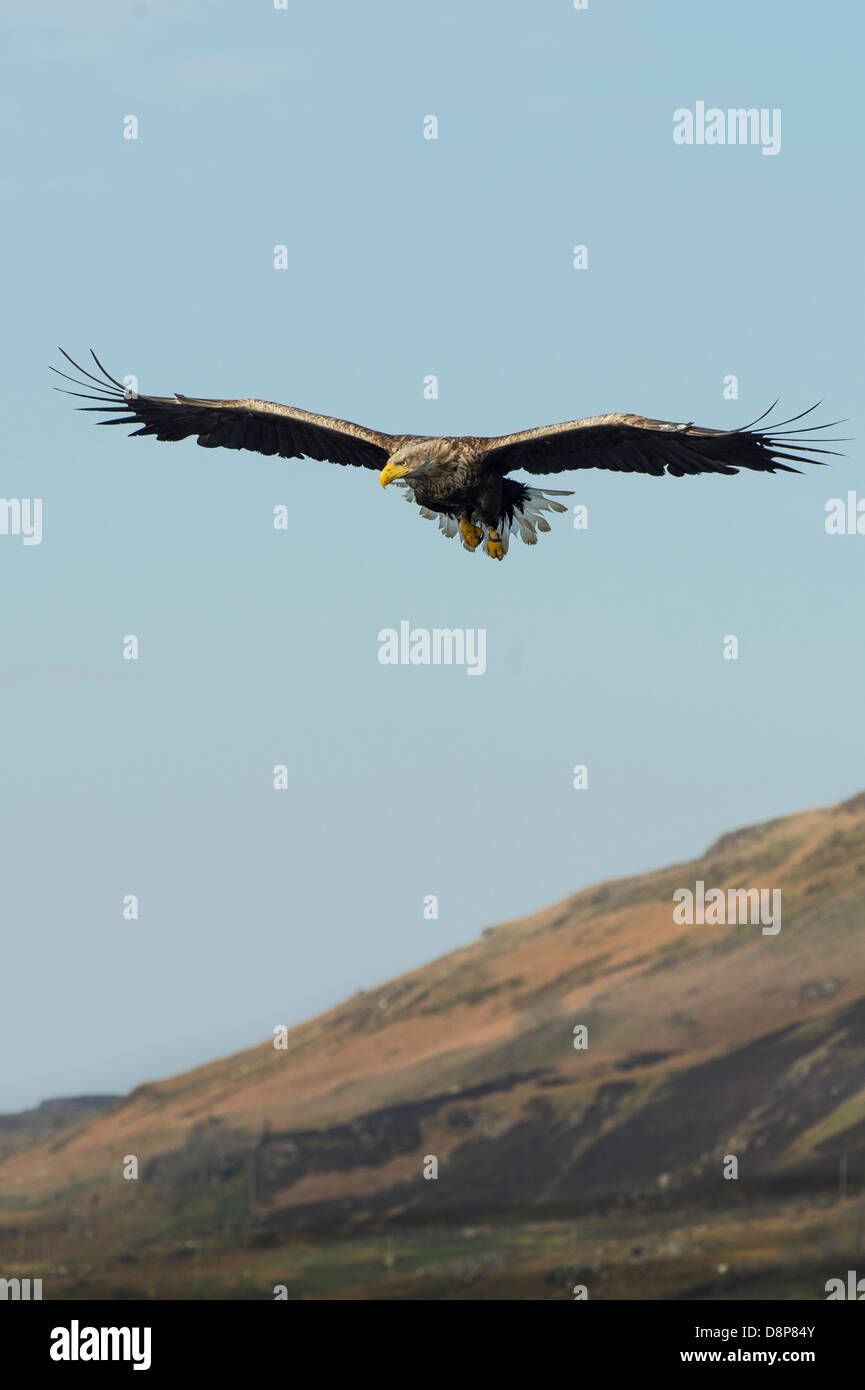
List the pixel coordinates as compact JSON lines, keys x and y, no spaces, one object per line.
{"x":495,"y":549}
{"x":472,"y":535}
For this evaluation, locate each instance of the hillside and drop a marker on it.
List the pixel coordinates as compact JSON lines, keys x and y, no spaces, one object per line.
{"x":303,"y":1165}
{"x":25,"y":1128}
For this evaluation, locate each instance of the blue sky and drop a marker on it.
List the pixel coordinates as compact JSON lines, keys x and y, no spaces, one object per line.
{"x":304,"y":128}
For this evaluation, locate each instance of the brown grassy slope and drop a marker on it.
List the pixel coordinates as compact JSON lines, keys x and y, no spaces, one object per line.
{"x":610,"y":957}
{"x":703,"y":1040}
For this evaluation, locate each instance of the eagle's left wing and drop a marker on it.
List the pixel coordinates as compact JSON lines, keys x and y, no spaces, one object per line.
{"x":634,"y":444}
{"x":261,"y":426}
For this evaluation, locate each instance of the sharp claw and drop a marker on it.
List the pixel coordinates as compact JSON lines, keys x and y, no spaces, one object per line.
{"x":495,"y":549}
{"x":472,"y":535}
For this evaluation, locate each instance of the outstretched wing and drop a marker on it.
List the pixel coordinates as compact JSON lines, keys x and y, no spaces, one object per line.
{"x":262,"y":426}
{"x":633,"y":444}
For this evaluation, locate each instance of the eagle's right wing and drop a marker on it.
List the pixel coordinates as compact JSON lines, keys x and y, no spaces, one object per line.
{"x":261,"y":426}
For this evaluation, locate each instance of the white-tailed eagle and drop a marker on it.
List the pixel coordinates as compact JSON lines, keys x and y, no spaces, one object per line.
{"x":461,"y":481}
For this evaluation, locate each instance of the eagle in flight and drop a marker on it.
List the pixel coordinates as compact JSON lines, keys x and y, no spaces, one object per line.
{"x":463,"y":482}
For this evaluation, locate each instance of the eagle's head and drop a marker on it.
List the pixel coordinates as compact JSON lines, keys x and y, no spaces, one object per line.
{"x":416,"y":457}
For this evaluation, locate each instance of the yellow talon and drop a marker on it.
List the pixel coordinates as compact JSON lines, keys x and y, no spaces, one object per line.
{"x":495,"y":549}
{"x":472,"y":535}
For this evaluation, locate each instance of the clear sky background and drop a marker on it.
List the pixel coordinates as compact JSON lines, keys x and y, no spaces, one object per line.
{"x":407,"y":256}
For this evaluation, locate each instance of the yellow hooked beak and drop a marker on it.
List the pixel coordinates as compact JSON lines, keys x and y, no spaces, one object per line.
{"x":391,"y":471}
